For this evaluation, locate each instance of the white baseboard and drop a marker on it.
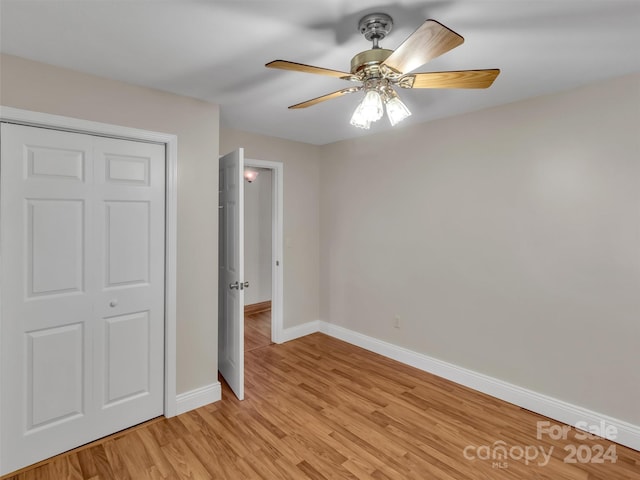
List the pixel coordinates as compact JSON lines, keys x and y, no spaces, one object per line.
{"x":626,"y":433}
{"x":298,"y":331}
{"x":197,"y":398}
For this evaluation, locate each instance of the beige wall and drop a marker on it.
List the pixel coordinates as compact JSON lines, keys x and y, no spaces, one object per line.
{"x":43,"y":88}
{"x":301,"y":216}
{"x":507,"y":240}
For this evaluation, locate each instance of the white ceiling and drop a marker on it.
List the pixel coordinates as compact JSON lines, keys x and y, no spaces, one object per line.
{"x":216,"y":51}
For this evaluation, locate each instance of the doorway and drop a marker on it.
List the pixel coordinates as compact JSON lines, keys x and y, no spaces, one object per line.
{"x":264,"y":254}
{"x":258,"y":192}
{"x":232,"y":283}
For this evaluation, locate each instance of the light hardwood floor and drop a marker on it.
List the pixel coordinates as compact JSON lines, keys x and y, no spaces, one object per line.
{"x":318,"y":408}
{"x":257,"y":330}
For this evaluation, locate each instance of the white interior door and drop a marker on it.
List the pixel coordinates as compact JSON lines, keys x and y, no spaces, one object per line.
{"x":82,"y":278}
{"x":231,"y":271}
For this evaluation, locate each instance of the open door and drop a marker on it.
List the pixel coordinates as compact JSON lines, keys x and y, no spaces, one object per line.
{"x":231,"y":271}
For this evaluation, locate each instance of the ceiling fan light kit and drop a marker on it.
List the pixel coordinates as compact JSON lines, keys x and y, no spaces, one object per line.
{"x":370,"y":109}
{"x":380,"y":71}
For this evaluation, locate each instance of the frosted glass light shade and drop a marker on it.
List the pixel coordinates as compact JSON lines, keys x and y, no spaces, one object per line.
{"x":372,"y":106}
{"x":359,"y":119}
{"x":369,"y":110}
{"x":396,"y":110}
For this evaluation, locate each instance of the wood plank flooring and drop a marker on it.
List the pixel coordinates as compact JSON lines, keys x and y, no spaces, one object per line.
{"x":259,"y":307}
{"x":318,"y":408}
{"x":257,"y":330}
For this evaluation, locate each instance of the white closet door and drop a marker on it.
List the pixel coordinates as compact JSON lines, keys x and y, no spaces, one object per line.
{"x":82,"y":285}
{"x":129,"y":308}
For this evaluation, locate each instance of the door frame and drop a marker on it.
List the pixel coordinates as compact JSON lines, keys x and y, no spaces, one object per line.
{"x":57,"y":122}
{"x":277,"y":260}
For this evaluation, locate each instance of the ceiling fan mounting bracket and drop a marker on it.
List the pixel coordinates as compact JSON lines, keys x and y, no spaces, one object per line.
{"x":375,"y":27}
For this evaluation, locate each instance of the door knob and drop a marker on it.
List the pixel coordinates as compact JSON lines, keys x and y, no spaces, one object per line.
{"x":113,"y":303}
{"x":246,"y":284}
{"x":234,"y":285}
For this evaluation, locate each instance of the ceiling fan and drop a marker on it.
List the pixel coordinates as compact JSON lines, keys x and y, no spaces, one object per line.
{"x":379,"y":70}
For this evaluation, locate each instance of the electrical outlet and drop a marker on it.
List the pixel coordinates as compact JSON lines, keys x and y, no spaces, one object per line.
{"x":396,"y":321}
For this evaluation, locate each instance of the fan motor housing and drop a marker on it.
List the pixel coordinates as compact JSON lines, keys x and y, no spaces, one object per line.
{"x":369,"y":58}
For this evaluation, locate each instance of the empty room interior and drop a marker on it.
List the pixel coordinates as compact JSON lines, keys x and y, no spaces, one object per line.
{"x":319,"y":240}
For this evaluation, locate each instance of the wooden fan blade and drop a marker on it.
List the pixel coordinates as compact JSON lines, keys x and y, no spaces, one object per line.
{"x":429,"y":41}
{"x":328,"y":96}
{"x":461,"y":79}
{"x":301,"y":67}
